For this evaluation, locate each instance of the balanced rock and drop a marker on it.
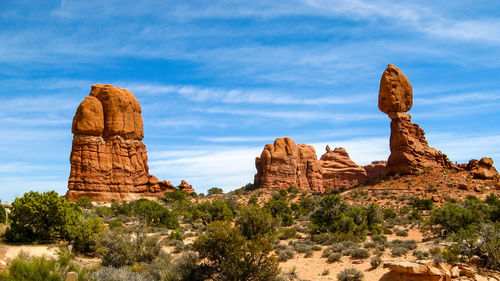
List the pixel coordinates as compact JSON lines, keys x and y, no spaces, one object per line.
{"x":396,"y":94}
{"x":339,"y":170}
{"x":284,"y":164}
{"x":108,"y":158}
{"x":410,"y":151}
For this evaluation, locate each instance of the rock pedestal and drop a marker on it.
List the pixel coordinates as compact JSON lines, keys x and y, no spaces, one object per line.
{"x":410,"y":152}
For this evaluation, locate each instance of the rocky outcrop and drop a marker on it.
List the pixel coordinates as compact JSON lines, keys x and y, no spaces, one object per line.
{"x":410,"y":152}
{"x":482,"y":169}
{"x":284,"y":164}
{"x":108,"y":158}
{"x":375,"y":171}
{"x":404,"y":270}
{"x":339,"y":170}
{"x":186,"y":187}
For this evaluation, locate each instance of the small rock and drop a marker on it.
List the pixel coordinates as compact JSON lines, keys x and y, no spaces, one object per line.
{"x":477,"y":188}
{"x":455,"y":272}
{"x":480,"y":278}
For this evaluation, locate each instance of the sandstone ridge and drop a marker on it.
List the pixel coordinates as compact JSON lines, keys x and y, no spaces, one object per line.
{"x":284,"y":164}
{"x":108,"y":158}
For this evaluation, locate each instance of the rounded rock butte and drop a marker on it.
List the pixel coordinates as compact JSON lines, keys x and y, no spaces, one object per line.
{"x":108,"y":158}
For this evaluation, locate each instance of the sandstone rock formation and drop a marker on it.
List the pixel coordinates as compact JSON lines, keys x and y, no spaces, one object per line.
{"x":339,"y":170}
{"x":410,"y":152}
{"x":375,"y":171}
{"x":404,"y":270}
{"x":284,"y":164}
{"x":108,"y":158}
{"x":482,"y":169}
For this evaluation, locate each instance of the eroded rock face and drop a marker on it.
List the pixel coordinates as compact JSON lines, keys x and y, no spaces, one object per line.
{"x":108,"y":158}
{"x":375,"y":171}
{"x":410,"y":152}
{"x":284,"y":164}
{"x":339,"y":170}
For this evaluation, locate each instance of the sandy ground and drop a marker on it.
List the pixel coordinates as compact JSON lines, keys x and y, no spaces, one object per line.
{"x":10,"y":252}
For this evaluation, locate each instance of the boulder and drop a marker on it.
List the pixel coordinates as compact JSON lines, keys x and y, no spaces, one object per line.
{"x":186,"y":187}
{"x":108,"y":158}
{"x":395,"y":94}
{"x":482,"y":169}
{"x":404,"y":271}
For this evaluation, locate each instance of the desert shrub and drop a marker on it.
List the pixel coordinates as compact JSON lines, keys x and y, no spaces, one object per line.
{"x":399,"y":251}
{"x":360,"y":253}
{"x":41,"y":217}
{"x":348,"y":222}
{"x":389,"y":213}
{"x":286,"y":254}
{"x":376,"y":262}
{"x":279,"y":208}
{"x":84,"y":235}
{"x":176,"y":235}
{"x":84,"y":202}
{"x":401,"y":232}
{"x":421,"y":203}
{"x":115,"y":223}
{"x":421,"y":255}
{"x":121,"y":208}
{"x":104,"y":212}
{"x":3,"y":214}
{"x":307,"y":204}
{"x":302,"y":246}
{"x":452,"y":217}
{"x":332,"y":256}
{"x":253,"y":200}
{"x":116,"y":274}
{"x":176,"y":195}
{"x":231,"y":256}
{"x":218,"y":210}
{"x":293,"y":190}
{"x":287,"y":233}
{"x":119,"y":249}
{"x":408,"y":244}
{"x":215,"y":190}
{"x":350,"y":274}
{"x":370,"y":245}
{"x":155,"y":214}
{"x":253,"y":221}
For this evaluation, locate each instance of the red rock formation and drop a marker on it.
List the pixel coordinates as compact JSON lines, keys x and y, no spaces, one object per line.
{"x":108,"y":158}
{"x":482,"y":169}
{"x":375,"y":171}
{"x":186,"y":187}
{"x":339,"y":170}
{"x":284,"y":164}
{"x":410,"y":151}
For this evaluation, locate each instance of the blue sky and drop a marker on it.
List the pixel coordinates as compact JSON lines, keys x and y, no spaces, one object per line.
{"x":217,"y":80}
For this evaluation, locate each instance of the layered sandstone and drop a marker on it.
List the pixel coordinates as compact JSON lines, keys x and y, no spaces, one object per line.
{"x":108,"y":158}
{"x":482,"y":169}
{"x":284,"y":164}
{"x":410,"y":152}
{"x":339,"y":170}
{"x":375,"y":171}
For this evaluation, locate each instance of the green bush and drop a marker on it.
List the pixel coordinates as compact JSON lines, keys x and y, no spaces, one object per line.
{"x":155,"y":214}
{"x":350,"y":274}
{"x":254,"y":222}
{"x":115,"y":223}
{"x":118,"y":249}
{"x":176,"y":235}
{"x":231,"y":256}
{"x":218,"y":210}
{"x":421,"y":203}
{"x":348,"y":222}
{"x":104,"y":212}
{"x":3,"y":214}
{"x":121,"y":209}
{"x":375,"y":262}
{"x":41,"y":217}
{"x":215,"y":190}
{"x":279,"y":208}
{"x":176,"y":195}
{"x":84,"y":202}
{"x":84,"y":235}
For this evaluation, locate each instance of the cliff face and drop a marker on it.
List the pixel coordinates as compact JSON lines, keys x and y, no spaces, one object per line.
{"x":284,"y":164}
{"x":108,"y":158}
